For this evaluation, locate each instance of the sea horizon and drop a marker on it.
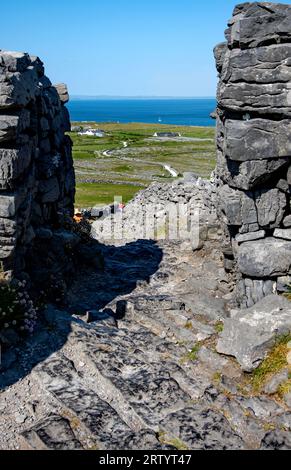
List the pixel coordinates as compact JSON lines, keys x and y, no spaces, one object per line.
{"x":180,"y":111}
{"x":138,"y":97}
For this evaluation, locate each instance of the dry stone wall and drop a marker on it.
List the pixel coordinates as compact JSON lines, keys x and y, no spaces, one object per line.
{"x":254,"y":148}
{"x":183,"y":211}
{"x":37,"y":181}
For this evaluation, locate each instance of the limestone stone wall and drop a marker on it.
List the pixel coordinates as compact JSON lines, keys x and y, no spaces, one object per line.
{"x":254,"y":148}
{"x":182,"y":211}
{"x":37,"y":181}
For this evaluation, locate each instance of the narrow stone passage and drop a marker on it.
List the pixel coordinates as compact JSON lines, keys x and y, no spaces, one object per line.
{"x":143,"y":374}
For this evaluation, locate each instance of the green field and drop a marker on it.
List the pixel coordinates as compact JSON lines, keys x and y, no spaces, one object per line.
{"x":89,"y":193}
{"x":126,"y":170}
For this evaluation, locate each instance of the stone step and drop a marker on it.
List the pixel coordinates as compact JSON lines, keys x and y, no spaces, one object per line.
{"x":164,"y":316}
{"x":104,"y":426}
{"x":151,"y":389}
{"x":201,"y":428}
{"x":52,"y":433}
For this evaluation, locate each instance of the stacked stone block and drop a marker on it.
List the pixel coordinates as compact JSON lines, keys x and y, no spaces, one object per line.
{"x":37,"y":182}
{"x":254,"y":148}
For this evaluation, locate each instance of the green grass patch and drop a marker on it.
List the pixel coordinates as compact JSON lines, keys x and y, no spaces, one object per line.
{"x":191,"y":355}
{"x":91,"y":194}
{"x":83,"y":155}
{"x":217,"y":377}
{"x":285,"y":388}
{"x":274,"y":363}
{"x":142,"y":160}
{"x":172,"y":441}
{"x":219,"y":327}
{"x":123,"y":168}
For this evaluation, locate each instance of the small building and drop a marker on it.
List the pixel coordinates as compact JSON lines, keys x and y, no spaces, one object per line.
{"x":76,"y":129}
{"x":93,"y":132}
{"x":167,"y":134}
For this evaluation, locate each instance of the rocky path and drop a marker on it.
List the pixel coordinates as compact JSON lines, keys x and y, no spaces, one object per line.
{"x":168,"y":168}
{"x":139,"y":371}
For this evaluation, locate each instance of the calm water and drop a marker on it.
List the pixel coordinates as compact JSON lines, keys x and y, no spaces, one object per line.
{"x":186,"y":112}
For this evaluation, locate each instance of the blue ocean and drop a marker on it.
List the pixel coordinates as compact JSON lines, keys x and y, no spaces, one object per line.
{"x":183,"y":112}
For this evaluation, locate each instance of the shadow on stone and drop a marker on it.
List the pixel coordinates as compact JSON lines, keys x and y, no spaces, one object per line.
{"x":91,"y":290}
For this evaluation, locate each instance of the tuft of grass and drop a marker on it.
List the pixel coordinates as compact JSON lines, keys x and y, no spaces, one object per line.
{"x":191,"y":355}
{"x":274,"y":363}
{"x":189,"y":325}
{"x":175,"y":442}
{"x":269,"y":427}
{"x":219,"y":327}
{"x":217,"y":377}
{"x":285,"y":388}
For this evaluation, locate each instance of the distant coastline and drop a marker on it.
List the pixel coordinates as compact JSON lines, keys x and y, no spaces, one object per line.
{"x":152,"y":110}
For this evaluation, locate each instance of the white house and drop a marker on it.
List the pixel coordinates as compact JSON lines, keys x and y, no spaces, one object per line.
{"x":167,"y":134}
{"x":92,"y":133}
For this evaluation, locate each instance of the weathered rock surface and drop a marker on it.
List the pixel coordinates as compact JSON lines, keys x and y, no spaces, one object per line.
{"x":36,"y":168}
{"x":274,"y":383}
{"x":256,"y":24}
{"x":253,"y":145}
{"x":257,"y":139}
{"x":251,"y":333}
{"x":135,"y":382}
{"x":269,"y":257}
{"x":249,"y":174}
{"x":177,"y":211}
{"x":285,"y":234}
{"x":127,"y":360}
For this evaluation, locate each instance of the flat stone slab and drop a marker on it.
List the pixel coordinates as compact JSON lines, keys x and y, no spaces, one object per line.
{"x":250,"y":334}
{"x":257,"y":139}
{"x":285,"y":234}
{"x":270,"y":257}
{"x":202,"y":429}
{"x":246,"y":237}
{"x":52,"y":433}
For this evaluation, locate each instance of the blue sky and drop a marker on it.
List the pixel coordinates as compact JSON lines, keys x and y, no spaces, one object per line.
{"x":121,"y":47}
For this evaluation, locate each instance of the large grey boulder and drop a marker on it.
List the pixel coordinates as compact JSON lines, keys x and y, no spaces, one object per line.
{"x":270,"y":206}
{"x":246,"y":65}
{"x":12,"y":165}
{"x":219,"y":53}
{"x":9,"y":204}
{"x":269,"y":257}
{"x":252,"y":97}
{"x":15,"y":61}
{"x":251,"y":291}
{"x":256,"y":24}
{"x":251,"y":333}
{"x":63,"y":93}
{"x":249,"y":174}
{"x":229,"y":203}
{"x":18,"y":89}
{"x":252,"y":210}
{"x":8,"y":126}
{"x":257,"y":139}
